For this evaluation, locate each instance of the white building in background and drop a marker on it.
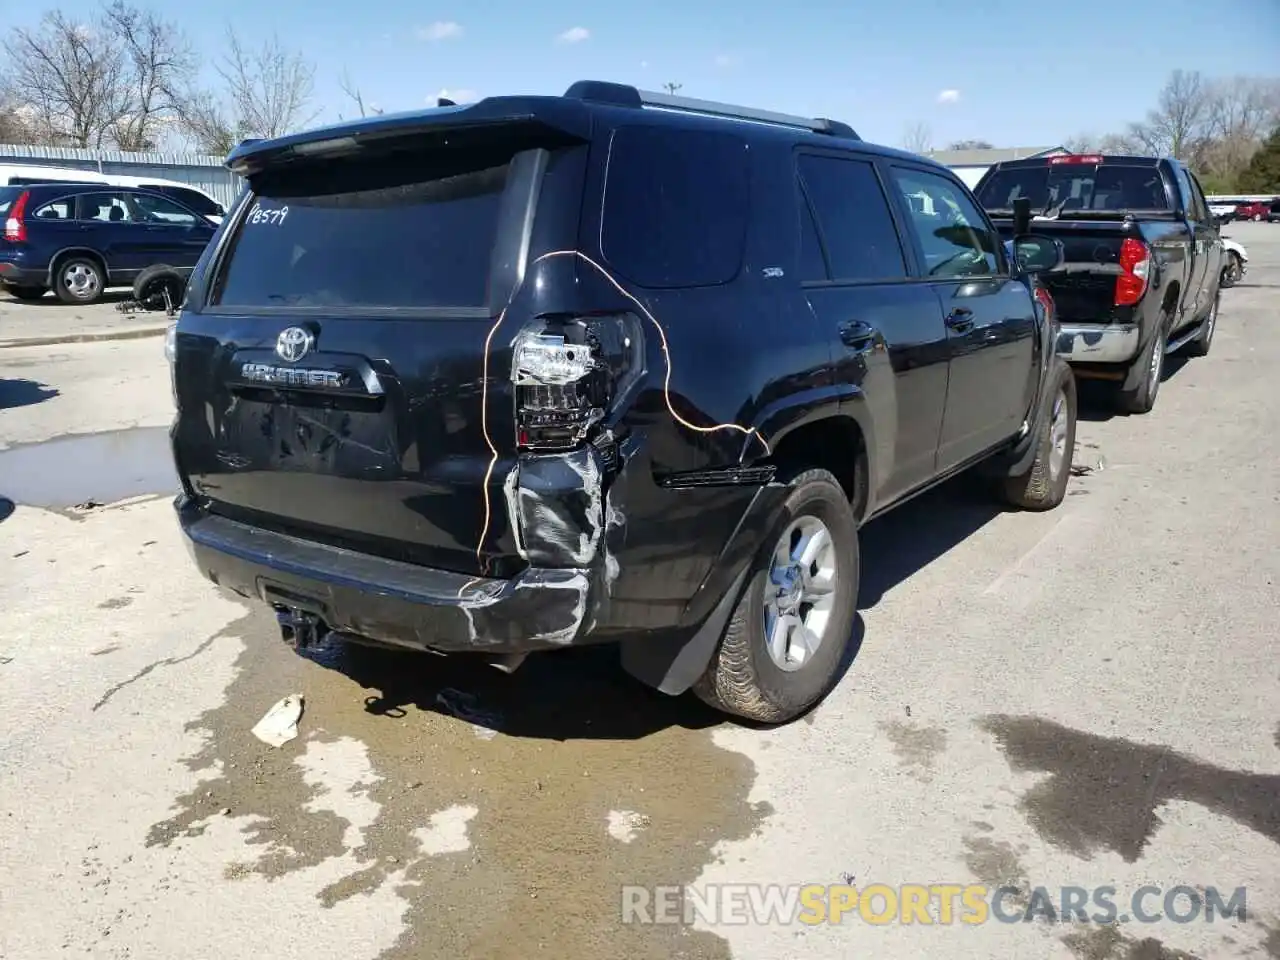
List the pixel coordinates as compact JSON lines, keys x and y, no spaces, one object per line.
{"x":970,"y":165}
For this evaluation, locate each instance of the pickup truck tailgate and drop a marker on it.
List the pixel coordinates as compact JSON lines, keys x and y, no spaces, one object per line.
{"x":1084,"y":288}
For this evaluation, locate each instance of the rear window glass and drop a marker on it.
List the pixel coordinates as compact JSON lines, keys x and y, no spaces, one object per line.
{"x":1077,"y":186}
{"x":7,"y":196}
{"x":410,"y":230}
{"x":675,"y":206}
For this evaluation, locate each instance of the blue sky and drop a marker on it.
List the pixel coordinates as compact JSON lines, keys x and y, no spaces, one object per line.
{"x":1018,"y":72}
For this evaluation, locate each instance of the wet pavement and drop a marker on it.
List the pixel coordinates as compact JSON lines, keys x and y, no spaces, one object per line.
{"x":1081,"y":698}
{"x":95,"y":468}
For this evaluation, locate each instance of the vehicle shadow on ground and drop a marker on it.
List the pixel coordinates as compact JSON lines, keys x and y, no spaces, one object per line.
{"x":901,"y":543}
{"x":1097,"y":398}
{"x":24,"y":393}
{"x":583,"y":693}
{"x":573,"y":694}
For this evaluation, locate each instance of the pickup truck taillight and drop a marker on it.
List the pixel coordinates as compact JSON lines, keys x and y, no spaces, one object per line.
{"x":1135,"y":266}
{"x":15,"y":229}
{"x":570,"y":375}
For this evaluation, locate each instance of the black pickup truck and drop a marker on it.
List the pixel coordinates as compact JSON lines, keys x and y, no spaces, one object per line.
{"x":1142,"y":260}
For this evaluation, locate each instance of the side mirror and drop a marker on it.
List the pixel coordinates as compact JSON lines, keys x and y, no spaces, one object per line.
{"x":1037,"y":254}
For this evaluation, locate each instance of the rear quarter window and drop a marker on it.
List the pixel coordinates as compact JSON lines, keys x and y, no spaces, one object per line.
{"x":404,"y":232}
{"x":676,"y":206}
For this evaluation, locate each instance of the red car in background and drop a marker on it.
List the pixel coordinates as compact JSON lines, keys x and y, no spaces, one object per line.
{"x":1257,"y":210}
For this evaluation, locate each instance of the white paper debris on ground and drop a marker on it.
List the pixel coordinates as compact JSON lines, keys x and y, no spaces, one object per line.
{"x":279,"y":725}
{"x":625,"y":824}
{"x":465,"y":706}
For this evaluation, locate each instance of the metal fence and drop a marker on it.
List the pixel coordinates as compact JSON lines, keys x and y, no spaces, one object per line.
{"x":206,"y":172}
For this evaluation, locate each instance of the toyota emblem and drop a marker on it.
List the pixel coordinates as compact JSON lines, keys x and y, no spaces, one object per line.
{"x":294,"y":343}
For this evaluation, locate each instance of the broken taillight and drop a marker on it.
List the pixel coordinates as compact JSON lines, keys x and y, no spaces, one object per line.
{"x":570,"y":375}
{"x":15,"y":228}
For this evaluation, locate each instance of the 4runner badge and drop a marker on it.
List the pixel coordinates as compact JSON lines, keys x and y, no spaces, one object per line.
{"x":294,"y":343}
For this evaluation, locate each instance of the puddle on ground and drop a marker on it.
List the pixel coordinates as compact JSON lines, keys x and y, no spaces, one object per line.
{"x":500,"y":846}
{"x":103,"y":467}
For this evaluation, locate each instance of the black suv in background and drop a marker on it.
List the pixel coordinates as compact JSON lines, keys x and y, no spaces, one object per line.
{"x":605,"y":367}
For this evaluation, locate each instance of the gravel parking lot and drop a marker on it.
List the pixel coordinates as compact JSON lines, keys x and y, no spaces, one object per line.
{"x":1088,"y":697}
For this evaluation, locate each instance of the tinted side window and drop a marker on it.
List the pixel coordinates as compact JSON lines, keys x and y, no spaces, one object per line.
{"x":105,"y":207}
{"x":853,"y":215}
{"x":1184,"y":188}
{"x":953,"y":236}
{"x":1201,"y":205}
{"x":676,"y":205}
{"x":194,"y":199}
{"x":813,"y":266}
{"x":153,"y":209}
{"x":60,"y":209}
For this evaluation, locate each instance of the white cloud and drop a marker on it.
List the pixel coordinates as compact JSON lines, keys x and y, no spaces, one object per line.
{"x":726,"y":60}
{"x":574,"y":35}
{"x":949,"y":96}
{"x":461,"y":95}
{"x":441,"y":30}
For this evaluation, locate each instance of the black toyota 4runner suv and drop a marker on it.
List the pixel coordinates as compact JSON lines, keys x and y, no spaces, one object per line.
{"x":604,"y":367}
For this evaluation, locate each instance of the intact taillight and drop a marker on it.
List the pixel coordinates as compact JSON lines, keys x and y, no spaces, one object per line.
{"x":569,"y":375}
{"x":1135,"y":267}
{"x":15,"y":228}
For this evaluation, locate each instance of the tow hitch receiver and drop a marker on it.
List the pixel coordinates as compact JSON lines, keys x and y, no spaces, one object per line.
{"x":298,"y":628}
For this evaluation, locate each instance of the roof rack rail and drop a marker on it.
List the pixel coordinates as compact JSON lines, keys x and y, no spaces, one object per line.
{"x":624,"y":95}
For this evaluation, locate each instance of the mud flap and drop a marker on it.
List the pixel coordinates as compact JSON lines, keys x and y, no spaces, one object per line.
{"x":673,"y":664}
{"x":1018,"y":461}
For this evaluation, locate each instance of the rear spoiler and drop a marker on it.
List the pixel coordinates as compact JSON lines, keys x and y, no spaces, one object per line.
{"x":568,"y":117}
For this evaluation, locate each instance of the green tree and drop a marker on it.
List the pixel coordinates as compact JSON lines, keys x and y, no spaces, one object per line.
{"x":1263,"y":173}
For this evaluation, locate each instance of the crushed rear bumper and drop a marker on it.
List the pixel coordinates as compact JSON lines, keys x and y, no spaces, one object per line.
{"x":387,"y":600}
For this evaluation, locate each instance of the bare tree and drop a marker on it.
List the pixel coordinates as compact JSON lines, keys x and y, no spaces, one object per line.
{"x":267,"y":91}
{"x":1241,"y":112}
{"x":671,"y":87}
{"x":1179,"y":125}
{"x":160,"y":63}
{"x":971,"y":145}
{"x":352,"y":91}
{"x":917,"y":138}
{"x":1112,"y":143}
{"x":14,"y":123}
{"x":72,"y":77}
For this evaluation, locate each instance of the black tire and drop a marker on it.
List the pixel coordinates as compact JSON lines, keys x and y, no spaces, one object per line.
{"x":742,"y":678}
{"x":154,"y":280}
{"x":1044,"y":485}
{"x":88,"y":285}
{"x":1199,"y":347}
{"x":1231,"y":272}
{"x":1142,"y":399}
{"x":29,"y":294}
